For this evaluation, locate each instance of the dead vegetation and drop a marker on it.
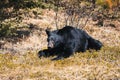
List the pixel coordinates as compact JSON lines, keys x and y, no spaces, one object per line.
{"x":19,"y":60}
{"x":101,"y":65}
{"x":30,"y":33}
{"x":22,"y":63}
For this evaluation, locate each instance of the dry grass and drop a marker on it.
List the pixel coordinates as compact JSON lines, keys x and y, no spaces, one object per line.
{"x":37,"y":39}
{"x":91,"y":65}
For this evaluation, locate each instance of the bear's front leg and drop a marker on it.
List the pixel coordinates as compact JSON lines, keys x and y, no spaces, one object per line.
{"x":65,"y":54}
{"x":59,"y":57}
{"x":43,"y":53}
{"x":48,"y":52}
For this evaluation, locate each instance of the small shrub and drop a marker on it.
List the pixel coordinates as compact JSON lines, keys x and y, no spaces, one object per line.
{"x":6,"y":30}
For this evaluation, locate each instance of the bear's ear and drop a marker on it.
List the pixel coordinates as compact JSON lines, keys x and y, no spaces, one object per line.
{"x":48,"y":32}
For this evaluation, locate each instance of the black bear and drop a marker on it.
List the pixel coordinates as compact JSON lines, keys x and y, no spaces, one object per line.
{"x":68,"y":40}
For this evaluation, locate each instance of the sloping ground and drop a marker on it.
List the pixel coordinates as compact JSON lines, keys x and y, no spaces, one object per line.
{"x":101,"y":65}
{"x":36,"y":25}
{"x":23,"y":63}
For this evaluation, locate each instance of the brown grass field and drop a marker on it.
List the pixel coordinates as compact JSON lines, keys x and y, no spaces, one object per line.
{"x":22,"y":62}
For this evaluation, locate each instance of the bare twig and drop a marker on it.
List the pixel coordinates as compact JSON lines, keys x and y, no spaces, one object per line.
{"x":56,"y":14}
{"x":87,"y":20}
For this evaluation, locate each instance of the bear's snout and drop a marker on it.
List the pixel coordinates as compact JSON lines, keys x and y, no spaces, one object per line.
{"x":50,"y":44}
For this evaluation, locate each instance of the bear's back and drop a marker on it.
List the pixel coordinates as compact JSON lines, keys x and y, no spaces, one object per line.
{"x":65,"y":29}
{"x":69,"y":32}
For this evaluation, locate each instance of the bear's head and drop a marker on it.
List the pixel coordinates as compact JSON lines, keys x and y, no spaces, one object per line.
{"x":53,"y":39}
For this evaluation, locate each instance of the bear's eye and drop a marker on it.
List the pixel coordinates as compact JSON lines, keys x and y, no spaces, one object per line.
{"x":51,"y":39}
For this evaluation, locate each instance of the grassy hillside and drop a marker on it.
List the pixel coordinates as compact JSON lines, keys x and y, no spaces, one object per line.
{"x":22,"y":35}
{"x":91,"y":65}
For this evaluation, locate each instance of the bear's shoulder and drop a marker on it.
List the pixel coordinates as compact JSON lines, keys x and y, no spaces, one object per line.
{"x":66,"y":30}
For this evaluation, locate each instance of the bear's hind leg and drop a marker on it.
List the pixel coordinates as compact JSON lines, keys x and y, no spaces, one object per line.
{"x":94,"y":44}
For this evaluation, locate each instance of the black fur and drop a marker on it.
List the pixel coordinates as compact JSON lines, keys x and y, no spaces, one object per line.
{"x":68,"y":40}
